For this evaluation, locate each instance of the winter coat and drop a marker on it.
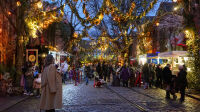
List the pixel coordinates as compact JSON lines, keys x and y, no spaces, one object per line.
{"x":125,"y":74}
{"x":110,"y":70}
{"x":145,"y":73}
{"x":98,"y":68}
{"x":151,"y":73}
{"x":29,"y":78}
{"x":51,"y":85}
{"x":71,"y":73}
{"x":105,"y":70}
{"x":158,"y":72}
{"x":167,"y":75}
{"x":181,"y":80}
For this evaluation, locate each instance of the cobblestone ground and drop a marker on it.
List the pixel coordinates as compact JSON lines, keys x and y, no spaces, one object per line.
{"x":86,"y":98}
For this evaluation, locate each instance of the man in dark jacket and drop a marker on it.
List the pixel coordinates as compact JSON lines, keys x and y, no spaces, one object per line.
{"x":104,"y":70}
{"x":167,"y":77}
{"x":110,"y":70}
{"x":145,"y":75}
{"x":182,"y":82}
{"x":99,"y":70}
{"x":159,"y":76}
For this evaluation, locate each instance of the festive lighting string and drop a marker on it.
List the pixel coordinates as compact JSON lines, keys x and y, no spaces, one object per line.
{"x":37,"y":19}
{"x":109,"y":8}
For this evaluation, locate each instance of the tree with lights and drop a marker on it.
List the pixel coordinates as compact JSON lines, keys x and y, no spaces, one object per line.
{"x":115,"y":20}
{"x":191,"y":15}
{"x":31,"y":18}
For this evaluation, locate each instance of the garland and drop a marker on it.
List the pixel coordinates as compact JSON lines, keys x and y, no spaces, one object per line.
{"x":109,"y":8}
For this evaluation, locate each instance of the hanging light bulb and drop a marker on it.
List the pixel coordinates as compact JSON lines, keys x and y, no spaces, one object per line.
{"x":18,"y":3}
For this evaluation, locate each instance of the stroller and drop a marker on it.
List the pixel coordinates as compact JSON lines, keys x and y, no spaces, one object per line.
{"x":97,"y":81}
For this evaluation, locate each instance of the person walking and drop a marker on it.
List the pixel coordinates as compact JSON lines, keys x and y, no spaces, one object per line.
{"x":87,"y":76}
{"x":182,"y":82}
{"x":104,"y":70}
{"x":151,"y":75}
{"x":29,"y":80}
{"x":138,"y":77}
{"x":167,"y":77}
{"x":158,"y":76}
{"x":125,"y":76}
{"x":110,"y":71}
{"x":99,"y":70}
{"x":145,"y":75}
{"x":51,"y":85}
{"x":64,"y":70}
{"x":132,"y":76}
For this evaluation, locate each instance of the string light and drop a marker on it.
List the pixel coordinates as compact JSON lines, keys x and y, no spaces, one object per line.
{"x":157,"y":24}
{"x":18,"y":3}
{"x":39,"y":4}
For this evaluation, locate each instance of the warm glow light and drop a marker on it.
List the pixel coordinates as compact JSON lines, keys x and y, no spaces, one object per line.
{"x":101,"y":16}
{"x":174,"y":0}
{"x":18,"y":3}
{"x":175,"y":8}
{"x":142,"y":34}
{"x":75,"y":35}
{"x":186,"y":31}
{"x":157,"y":24}
{"x":43,"y":55}
{"x":39,"y":4}
{"x":9,"y":13}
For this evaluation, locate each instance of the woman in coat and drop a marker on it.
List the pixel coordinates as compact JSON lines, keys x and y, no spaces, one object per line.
{"x":182,"y":82}
{"x":145,"y":75}
{"x":51,"y":85}
{"x":125,"y":76}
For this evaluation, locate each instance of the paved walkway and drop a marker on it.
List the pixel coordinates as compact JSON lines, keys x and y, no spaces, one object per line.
{"x":8,"y":101}
{"x":86,"y":98}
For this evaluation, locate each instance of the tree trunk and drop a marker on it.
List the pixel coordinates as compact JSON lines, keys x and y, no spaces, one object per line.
{"x":20,"y":25}
{"x":19,"y":59}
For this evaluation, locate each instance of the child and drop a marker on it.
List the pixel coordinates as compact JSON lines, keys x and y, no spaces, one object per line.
{"x":37,"y":85}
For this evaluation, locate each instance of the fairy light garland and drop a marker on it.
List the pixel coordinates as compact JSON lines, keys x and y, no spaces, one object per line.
{"x":109,"y":8}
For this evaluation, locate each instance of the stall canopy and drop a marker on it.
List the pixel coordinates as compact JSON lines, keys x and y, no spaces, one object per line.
{"x":173,"y":54}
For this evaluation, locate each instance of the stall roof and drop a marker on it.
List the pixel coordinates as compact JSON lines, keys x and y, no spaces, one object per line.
{"x":173,"y":54}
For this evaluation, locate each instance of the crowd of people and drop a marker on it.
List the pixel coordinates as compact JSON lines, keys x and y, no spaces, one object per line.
{"x":31,"y":79}
{"x":157,"y":76}
{"x":49,"y":82}
{"x":150,"y":75}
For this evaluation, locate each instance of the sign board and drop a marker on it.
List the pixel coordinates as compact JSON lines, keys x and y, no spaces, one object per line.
{"x":32,"y":55}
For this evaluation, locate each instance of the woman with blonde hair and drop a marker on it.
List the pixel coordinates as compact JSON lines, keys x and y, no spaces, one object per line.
{"x":51,"y":86}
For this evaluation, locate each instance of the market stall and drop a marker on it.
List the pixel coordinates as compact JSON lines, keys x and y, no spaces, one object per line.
{"x":142,"y":59}
{"x":175,"y":58}
{"x":58,"y":56}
